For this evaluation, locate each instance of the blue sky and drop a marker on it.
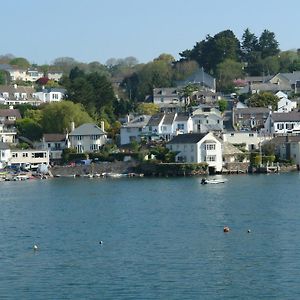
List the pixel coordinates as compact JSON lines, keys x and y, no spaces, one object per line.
{"x":96,"y":30}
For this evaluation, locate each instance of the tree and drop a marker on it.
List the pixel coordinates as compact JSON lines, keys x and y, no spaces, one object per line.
{"x":57,"y":117}
{"x":29,"y":128}
{"x":147,"y":108}
{"x":94,"y":91}
{"x":20,"y":62}
{"x":213,"y":50}
{"x":222,"y":105}
{"x":265,"y":99}
{"x":268,"y":46}
{"x":227,"y":71}
{"x":249,"y":44}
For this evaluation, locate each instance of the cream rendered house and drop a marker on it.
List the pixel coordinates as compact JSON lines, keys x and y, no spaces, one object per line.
{"x":88,"y":138}
{"x":198,"y":148}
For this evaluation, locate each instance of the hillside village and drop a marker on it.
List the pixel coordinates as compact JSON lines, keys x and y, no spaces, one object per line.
{"x":163,"y":112}
{"x":200,"y":134}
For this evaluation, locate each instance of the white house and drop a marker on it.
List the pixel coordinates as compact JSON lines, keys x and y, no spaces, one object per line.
{"x":134,"y":129}
{"x":206,"y":119}
{"x":4,"y":154}
{"x":285,"y":105}
{"x":50,"y":95}
{"x":56,"y":76}
{"x":166,"y":125}
{"x":198,"y":148}
{"x":88,"y":138}
{"x":251,"y":140}
{"x":283,"y":123}
{"x":29,"y":156}
{"x":55,"y":143}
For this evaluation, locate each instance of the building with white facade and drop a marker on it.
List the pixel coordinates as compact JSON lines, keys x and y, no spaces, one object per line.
{"x":134,"y":129}
{"x":166,"y":125}
{"x":88,"y":138}
{"x":50,"y":95}
{"x":283,"y":123}
{"x":198,"y":148}
{"x":55,"y":143}
{"x":31,"y":157}
{"x":4,"y":154}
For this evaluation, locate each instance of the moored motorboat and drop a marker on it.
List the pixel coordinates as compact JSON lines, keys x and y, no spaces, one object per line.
{"x":212,"y":181}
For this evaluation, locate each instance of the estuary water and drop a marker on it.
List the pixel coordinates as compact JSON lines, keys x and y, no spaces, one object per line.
{"x":162,"y":238}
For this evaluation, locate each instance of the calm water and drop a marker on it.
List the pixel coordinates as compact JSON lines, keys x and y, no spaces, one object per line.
{"x":162,"y":238}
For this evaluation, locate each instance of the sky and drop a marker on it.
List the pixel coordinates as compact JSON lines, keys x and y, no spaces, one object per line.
{"x":97,"y":30}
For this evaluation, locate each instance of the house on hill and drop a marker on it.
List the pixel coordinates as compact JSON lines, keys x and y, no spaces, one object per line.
{"x":200,"y":79}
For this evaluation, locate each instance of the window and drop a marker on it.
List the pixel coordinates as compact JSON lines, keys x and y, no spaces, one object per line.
{"x":94,"y":137}
{"x":210,"y":158}
{"x":49,"y":145}
{"x":192,"y":148}
{"x":180,"y":126}
{"x":25,"y":154}
{"x":14,"y":155}
{"x":231,"y":134}
{"x":210,"y":147}
{"x":251,"y":134}
{"x":289,"y":126}
{"x":57,"y":145}
{"x":38,"y":155}
{"x":79,"y":137}
{"x":280,"y":126}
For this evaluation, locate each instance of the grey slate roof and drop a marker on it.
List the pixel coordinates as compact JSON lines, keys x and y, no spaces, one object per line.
{"x":182,"y":117}
{"x":200,"y":78}
{"x":155,"y":120}
{"x":189,"y":138}
{"x":284,"y":139}
{"x":87,"y":129}
{"x":252,"y":110}
{"x":4,"y":146}
{"x":169,"y":118}
{"x":286,"y":117}
{"x":137,"y":122}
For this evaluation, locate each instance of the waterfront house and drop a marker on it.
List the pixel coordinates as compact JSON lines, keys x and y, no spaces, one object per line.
{"x":88,"y":138}
{"x":248,"y":140}
{"x":283,"y":123}
{"x":287,"y":147}
{"x":4,"y":154}
{"x":30,"y":157}
{"x":55,"y":143}
{"x":198,"y":148}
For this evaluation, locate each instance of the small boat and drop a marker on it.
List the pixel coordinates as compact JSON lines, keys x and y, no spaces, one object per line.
{"x":212,"y":181}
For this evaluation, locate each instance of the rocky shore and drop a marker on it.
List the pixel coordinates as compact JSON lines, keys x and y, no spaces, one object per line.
{"x":117,"y":167}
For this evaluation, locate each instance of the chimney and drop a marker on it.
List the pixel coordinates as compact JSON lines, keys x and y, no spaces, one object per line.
{"x":102,"y":126}
{"x":72,"y":126}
